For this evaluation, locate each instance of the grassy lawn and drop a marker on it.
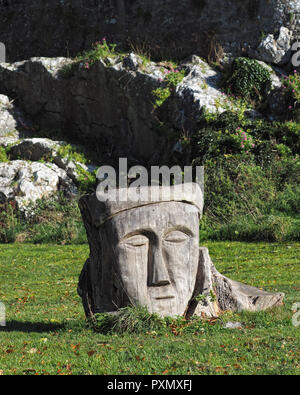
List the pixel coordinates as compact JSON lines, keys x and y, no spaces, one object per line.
{"x":46,"y":332}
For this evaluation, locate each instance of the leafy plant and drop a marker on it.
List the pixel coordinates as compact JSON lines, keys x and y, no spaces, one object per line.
{"x":160,"y":95}
{"x":172,"y":78}
{"x":244,"y":139}
{"x":3,"y":155}
{"x":87,"y":180}
{"x":248,"y":78}
{"x":291,"y":85}
{"x":71,"y":153}
{"x":101,"y":50}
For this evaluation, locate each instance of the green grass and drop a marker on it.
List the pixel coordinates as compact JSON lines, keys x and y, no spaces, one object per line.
{"x":46,"y":331}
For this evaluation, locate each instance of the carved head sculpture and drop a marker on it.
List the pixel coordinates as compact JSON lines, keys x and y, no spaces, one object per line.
{"x":142,"y":252}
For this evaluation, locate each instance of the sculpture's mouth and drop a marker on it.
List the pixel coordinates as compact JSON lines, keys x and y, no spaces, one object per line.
{"x":165,"y":297}
{"x":166,"y":292}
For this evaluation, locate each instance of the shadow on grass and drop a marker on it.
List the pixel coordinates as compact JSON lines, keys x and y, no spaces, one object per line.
{"x":39,"y":327}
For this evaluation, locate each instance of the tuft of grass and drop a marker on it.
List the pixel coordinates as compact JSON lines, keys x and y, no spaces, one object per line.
{"x":131,"y":319}
{"x":100,"y":50}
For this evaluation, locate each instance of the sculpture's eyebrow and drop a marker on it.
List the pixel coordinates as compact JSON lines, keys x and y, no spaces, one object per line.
{"x":152,"y":235}
{"x":137,"y":232}
{"x":179,"y":228}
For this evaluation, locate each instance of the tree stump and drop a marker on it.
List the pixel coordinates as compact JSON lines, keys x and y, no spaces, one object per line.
{"x":146,"y":252}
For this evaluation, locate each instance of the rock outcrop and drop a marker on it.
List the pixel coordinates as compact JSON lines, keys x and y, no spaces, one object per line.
{"x":26,"y":182}
{"x":37,"y":168}
{"x":193,"y":26}
{"x":13,"y":123}
{"x":277,"y":51}
{"x":36,"y":149}
{"x":109,"y":105}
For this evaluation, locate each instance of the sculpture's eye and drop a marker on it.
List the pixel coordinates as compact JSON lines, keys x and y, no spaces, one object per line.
{"x":136,"y":241}
{"x":176,"y":236}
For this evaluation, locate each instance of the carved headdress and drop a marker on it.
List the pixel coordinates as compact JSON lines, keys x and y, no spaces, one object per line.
{"x":115,"y":201}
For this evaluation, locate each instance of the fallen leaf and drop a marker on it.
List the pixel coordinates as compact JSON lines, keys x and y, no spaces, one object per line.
{"x":75,"y":346}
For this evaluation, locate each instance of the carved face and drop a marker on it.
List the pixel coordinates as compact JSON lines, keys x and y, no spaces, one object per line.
{"x":155,"y":250}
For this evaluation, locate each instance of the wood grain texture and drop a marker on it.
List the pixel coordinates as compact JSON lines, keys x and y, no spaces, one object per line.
{"x":149,"y":256}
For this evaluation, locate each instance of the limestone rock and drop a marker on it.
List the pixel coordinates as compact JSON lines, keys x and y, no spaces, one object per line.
{"x":132,"y":61}
{"x":109,"y":106}
{"x":12,"y":121}
{"x":26,"y":182}
{"x":35,"y":149}
{"x":198,"y":91}
{"x":275,"y":51}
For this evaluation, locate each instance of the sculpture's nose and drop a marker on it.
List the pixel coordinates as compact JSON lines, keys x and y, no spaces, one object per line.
{"x":158,"y":274}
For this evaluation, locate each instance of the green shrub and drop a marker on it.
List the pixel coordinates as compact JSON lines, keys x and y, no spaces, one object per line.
{"x":246,"y":202}
{"x":248,"y":78}
{"x":252,"y":177}
{"x":174,"y":77}
{"x":55,"y":220}
{"x":100,"y":50}
{"x":291,"y":84}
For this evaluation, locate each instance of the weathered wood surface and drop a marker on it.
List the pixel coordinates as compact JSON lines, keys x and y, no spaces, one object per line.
{"x":224,"y":294}
{"x":149,"y":256}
